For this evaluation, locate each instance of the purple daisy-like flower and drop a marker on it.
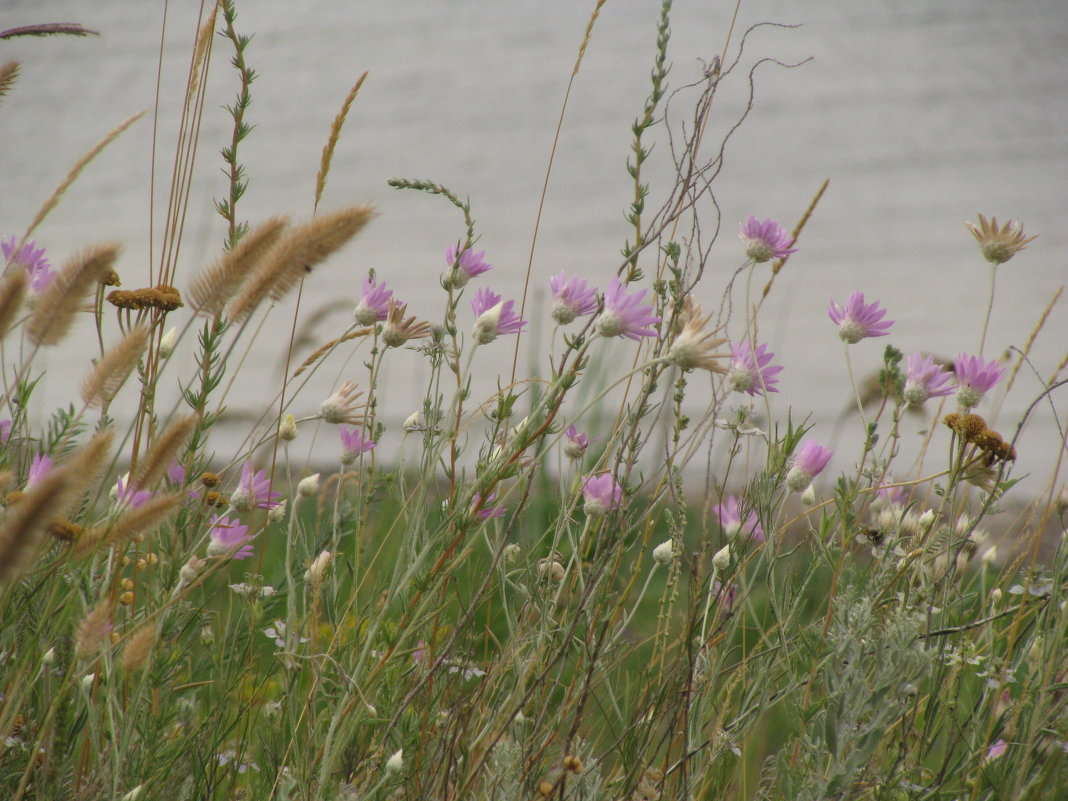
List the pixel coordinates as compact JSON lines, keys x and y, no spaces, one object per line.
{"x":485,"y":510}
{"x":810,"y":461}
{"x":226,"y":535}
{"x":494,"y":317}
{"x":467,"y":266}
{"x":353,"y":444}
{"x":128,"y":495}
{"x":32,"y":260}
{"x":571,"y":298}
{"x":374,"y":303}
{"x":176,"y":473}
{"x":624,"y":314}
{"x":925,"y":379}
{"x":730,"y":519}
{"x":576,"y":445}
{"x":253,"y":490}
{"x":40,"y":465}
{"x":974,"y":378}
{"x":752,"y":373}
{"x":765,"y":240}
{"x":5,"y":431}
{"x":602,"y":493}
{"x":858,"y":320}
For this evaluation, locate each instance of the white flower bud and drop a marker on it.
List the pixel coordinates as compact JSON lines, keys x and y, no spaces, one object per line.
{"x":308,"y":486}
{"x":277,"y":513}
{"x":414,"y":421}
{"x":49,"y":657}
{"x":808,"y":497}
{"x":511,"y":554}
{"x":395,"y":764}
{"x":990,"y":555}
{"x":722,"y":559}
{"x":135,"y":793}
{"x":664,"y":553}
{"x":87,"y":681}
{"x":166,"y":345}
{"x":995,"y":595}
{"x":287,"y":429}
{"x":926,"y":519}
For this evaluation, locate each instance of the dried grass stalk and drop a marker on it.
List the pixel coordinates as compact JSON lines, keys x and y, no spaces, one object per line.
{"x":27,"y":520}
{"x":200,"y":50}
{"x":213,"y":288}
{"x":57,"y":306}
{"x":93,"y":629}
{"x":131,"y":524}
{"x":12,"y":291}
{"x":163,"y":451}
{"x":114,"y":367}
{"x":9,"y":73}
{"x":90,"y":462}
{"x":138,"y":647}
{"x":295,"y":255}
{"x":77,"y":169}
{"x":331,"y":142}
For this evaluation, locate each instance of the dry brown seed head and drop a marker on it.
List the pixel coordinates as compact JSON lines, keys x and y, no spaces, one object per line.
{"x":126,"y":598}
{"x":999,"y":244}
{"x":210,"y":480}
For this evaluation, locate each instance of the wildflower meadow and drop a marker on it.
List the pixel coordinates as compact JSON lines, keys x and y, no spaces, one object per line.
{"x":633,"y":570}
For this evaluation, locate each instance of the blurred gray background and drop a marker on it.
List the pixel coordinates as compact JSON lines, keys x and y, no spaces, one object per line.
{"x":920,"y":114}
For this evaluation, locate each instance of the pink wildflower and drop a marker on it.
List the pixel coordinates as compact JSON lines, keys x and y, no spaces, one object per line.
{"x":129,"y":495}
{"x":253,"y":490}
{"x":602,"y":493}
{"x":858,"y":320}
{"x":374,"y":303}
{"x":494,"y":316}
{"x":5,"y":431}
{"x":228,"y":535}
{"x":974,"y":378}
{"x":571,"y":298}
{"x":752,"y":373}
{"x":353,"y":444}
{"x":925,"y":379}
{"x":810,"y":461}
{"x":996,"y":750}
{"x":765,"y":240}
{"x":485,"y":512}
{"x":623,"y":314}
{"x":576,"y":445}
{"x":40,"y":465}
{"x":32,"y":260}
{"x":467,"y":266}
{"x":730,"y":519}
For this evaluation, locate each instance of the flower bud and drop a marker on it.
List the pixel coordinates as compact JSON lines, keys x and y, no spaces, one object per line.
{"x":414,"y":421}
{"x":314,"y":574}
{"x":166,"y":345}
{"x":808,"y":497}
{"x":308,"y":486}
{"x":722,"y":559}
{"x":511,"y":553}
{"x":287,"y":429}
{"x":664,"y":553}
{"x":395,"y":764}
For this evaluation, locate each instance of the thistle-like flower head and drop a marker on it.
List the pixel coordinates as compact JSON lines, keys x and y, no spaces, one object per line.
{"x":694,"y":347}
{"x":624,"y":314}
{"x":858,"y":320}
{"x":765,"y":240}
{"x":398,"y":329}
{"x":341,"y":407}
{"x":30,"y":258}
{"x":999,"y":244}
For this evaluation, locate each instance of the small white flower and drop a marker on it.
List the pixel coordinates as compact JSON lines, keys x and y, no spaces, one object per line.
{"x":664,"y":553}
{"x":395,"y":764}
{"x":511,"y":553}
